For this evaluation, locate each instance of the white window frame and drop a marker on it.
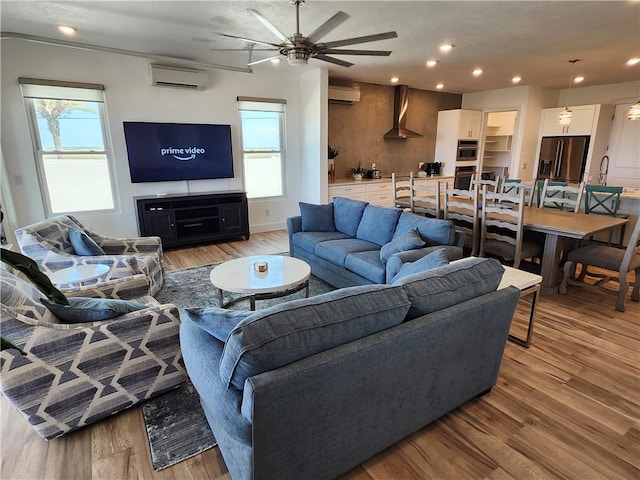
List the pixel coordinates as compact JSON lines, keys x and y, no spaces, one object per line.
{"x":265,"y":105}
{"x":34,"y":89}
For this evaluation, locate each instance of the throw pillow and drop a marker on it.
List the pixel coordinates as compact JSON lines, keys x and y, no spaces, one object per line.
{"x":378,"y":224}
{"x":83,"y":244}
{"x":317,"y":218}
{"x":451,"y":284}
{"x":347,"y":214}
{"x":407,"y":241}
{"x":432,"y":260}
{"x":433,"y":231}
{"x":81,"y":310}
{"x":288,"y":332}
{"x":218,"y":322}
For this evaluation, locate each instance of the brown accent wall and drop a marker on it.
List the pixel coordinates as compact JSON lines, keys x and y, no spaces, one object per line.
{"x":357,"y":130}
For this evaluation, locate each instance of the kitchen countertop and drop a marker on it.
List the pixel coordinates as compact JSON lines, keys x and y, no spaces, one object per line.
{"x":351,"y":181}
{"x":631,"y":193}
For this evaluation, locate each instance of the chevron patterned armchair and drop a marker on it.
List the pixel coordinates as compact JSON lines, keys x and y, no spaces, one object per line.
{"x":75,"y":374}
{"x":48,"y":243}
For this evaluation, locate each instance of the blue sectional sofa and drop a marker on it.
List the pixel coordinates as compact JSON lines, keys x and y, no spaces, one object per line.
{"x":349,"y":242}
{"x":310,"y":388}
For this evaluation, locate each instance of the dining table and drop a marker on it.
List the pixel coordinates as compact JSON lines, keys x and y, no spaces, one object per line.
{"x":562,"y":229}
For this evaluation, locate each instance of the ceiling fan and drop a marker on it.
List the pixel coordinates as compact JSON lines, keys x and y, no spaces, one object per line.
{"x":298,"y":48}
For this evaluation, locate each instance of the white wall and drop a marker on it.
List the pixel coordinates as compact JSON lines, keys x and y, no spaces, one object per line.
{"x":130,"y":97}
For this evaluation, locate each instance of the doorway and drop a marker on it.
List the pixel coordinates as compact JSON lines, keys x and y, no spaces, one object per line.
{"x":497,"y":144}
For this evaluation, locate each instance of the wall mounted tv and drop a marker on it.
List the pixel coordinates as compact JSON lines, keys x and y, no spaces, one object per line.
{"x":160,"y":152}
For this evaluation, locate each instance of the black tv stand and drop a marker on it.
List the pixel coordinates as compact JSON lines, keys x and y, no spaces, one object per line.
{"x":192,"y":218}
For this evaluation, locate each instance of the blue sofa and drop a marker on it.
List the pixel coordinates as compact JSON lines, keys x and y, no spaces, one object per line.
{"x":349,"y":242}
{"x":311,"y":388}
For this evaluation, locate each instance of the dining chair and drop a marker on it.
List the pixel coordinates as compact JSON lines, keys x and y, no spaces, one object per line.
{"x":509,"y":185}
{"x":513,"y":187}
{"x":493,"y":185}
{"x":502,"y":229}
{"x":604,"y":200}
{"x":539,"y":185}
{"x":613,"y":259}
{"x":563,"y":197}
{"x":401,"y":185}
{"x":425,"y":199}
{"x":461,"y":207}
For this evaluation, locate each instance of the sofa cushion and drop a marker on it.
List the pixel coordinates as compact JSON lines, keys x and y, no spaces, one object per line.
{"x":433,"y":231}
{"x":308,"y":240}
{"x":401,"y":243}
{"x":451,"y":284}
{"x":216,"y":321}
{"x":83,"y":244}
{"x":336,"y":251}
{"x":432,"y":260}
{"x":367,"y":265}
{"x":317,"y":218}
{"x":291,"y":331}
{"x":347,"y":214}
{"x":378,"y":224}
{"x":81,"y":310}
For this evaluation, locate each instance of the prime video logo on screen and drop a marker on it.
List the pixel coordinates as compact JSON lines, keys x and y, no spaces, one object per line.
{"x":183,"y":154}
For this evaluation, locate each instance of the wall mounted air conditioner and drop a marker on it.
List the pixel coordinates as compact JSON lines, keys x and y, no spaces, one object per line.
{"x":178,"y":77}
{"x":346,"y":95}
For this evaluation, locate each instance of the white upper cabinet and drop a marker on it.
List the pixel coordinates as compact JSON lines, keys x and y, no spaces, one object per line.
{"x":469,"y":124}
{"x":582,"y":121}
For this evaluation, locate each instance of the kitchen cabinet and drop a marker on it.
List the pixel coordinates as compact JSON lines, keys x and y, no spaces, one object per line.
{"x":469,"y":124}
{"x":454,"y":125}
{"x":582,"y":121}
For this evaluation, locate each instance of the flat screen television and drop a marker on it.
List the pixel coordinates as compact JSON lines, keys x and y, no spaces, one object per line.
{"x":160,"y":152}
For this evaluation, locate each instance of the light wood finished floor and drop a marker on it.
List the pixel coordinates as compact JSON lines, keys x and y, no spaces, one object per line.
{"x":568,"y":407}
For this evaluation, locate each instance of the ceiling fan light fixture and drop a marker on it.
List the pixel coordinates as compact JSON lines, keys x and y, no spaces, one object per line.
{"x":296,"y":56}
{"x":634,"y":111}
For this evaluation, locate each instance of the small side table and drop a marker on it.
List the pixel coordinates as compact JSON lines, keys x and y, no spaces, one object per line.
{"x":528,"y":284}
{"x":79,"y":273}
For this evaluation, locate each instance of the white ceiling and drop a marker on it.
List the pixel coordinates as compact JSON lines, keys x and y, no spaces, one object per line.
{"x":534,"y":39}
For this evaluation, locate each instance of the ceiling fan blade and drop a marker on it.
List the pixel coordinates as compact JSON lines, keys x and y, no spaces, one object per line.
{"x":356,"y":40}
{"x":258,"y":42}
{"x":325,"y":58}
{"x":269,"y":25}
{"x":255,"y":62}
{"x":243,"y":49}
{"x":328,"y":26}
{"x":338,"y":51}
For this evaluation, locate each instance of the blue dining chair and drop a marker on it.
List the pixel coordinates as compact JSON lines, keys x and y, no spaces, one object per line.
{"x":604,"y":200}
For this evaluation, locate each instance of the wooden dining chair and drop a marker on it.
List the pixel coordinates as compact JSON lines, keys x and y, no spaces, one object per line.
{"x":502,"y":229}
{"x":612,"y":259}
{"x":562,"y":197}
{"x":509,"y":186}
{"x":461,"y":207}
{"x":604,"y":200}
{"x":492,"y":185}
{"x":425,"y":199}
{"x":401,"y":185}
{"x":539,"y":185}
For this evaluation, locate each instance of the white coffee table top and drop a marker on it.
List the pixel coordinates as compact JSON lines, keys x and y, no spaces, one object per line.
{"x":79,"y":273}
{"x":239,"y":275}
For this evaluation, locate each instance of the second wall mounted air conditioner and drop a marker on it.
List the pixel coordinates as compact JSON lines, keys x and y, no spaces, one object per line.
{"x":178,"y":77}
{"x":346,"y":95}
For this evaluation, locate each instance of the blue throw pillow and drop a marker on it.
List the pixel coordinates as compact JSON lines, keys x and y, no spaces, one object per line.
{"x":317,"y":218}
{"x":378,"y":224}
{"x":347,"y":214}
{"x":216,"y":321}
{"x":83,"y":244}
{"x":407,"y":241}
{"x":81,"y":310}
{"x":428,"y":262}
{"x":433,"y":231}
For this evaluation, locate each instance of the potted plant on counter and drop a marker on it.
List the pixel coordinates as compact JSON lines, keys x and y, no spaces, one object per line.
{"x":358,"y":171}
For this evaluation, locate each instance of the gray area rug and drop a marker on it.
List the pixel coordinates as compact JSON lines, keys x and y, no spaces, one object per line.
{"x":176,"y":425}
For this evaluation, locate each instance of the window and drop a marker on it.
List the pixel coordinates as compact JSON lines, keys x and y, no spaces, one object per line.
{"x":263,"y":152}
{"x":71,"y":145}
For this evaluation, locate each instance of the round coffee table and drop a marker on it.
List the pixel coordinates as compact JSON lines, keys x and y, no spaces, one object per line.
{"x":284,"y":275}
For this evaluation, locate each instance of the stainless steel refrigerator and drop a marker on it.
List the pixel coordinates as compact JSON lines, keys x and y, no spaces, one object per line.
{"x":563,"y":158}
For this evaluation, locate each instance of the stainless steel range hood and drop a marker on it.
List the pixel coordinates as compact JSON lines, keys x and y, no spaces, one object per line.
{"x":400,"y":106}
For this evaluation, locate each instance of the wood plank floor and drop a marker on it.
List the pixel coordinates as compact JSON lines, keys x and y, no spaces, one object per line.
{"x":568,"y":407}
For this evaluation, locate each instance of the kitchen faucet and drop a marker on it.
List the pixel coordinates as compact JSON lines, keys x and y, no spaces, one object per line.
{"x":602,"y":174}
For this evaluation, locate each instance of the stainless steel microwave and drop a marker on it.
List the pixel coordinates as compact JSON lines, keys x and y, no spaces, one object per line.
{"x":467,"y":150}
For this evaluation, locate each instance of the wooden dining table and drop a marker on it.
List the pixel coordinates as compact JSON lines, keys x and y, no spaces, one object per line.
{"x":560,"y":228}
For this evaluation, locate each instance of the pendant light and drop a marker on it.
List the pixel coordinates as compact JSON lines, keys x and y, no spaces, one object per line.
{"x":565,"y":115}
{"x":634,"y":111}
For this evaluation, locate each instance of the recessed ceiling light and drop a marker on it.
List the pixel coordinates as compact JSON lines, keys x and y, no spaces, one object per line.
{"x":432,"y":63}
{"x":275,"y":61}
{"x":516,"y":79}
{"x":67,"y":30}
{"x":578,"y":79}
{"x":633,"y":61}
{"x":395,"y":79}
{"x":477,"y":72}
{"x":445,"y":47}
{"x":440,"y":86}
